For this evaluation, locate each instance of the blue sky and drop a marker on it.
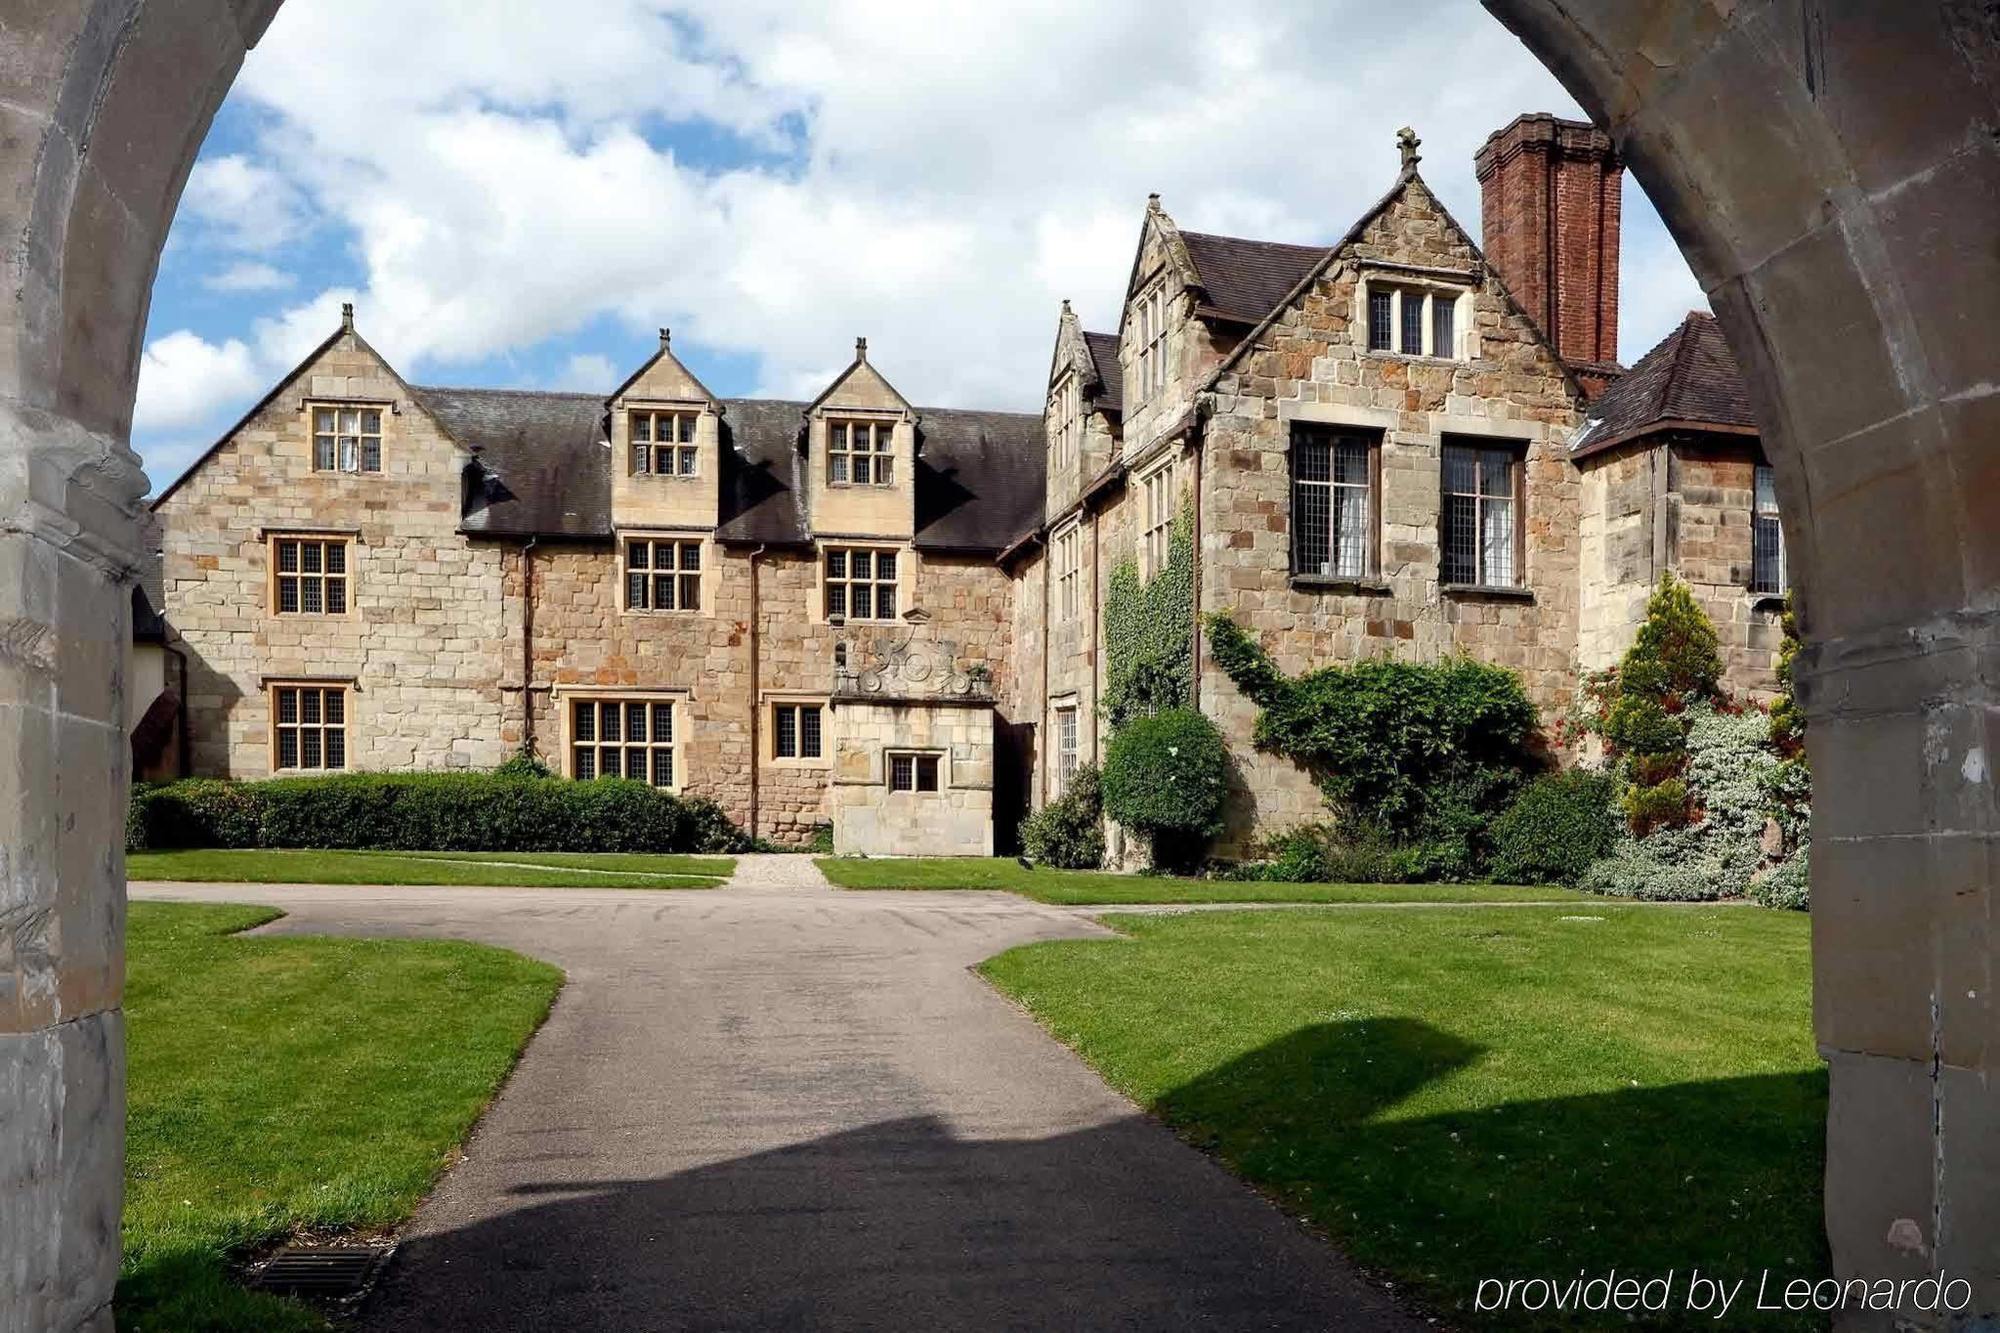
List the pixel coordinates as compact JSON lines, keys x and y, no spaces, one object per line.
{"x":772,"y":179}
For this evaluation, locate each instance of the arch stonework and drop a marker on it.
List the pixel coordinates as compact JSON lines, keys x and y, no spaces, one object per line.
{"x":1832,"y":171}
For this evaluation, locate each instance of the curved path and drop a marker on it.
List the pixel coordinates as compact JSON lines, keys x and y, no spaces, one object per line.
{"x":781,"y":1105}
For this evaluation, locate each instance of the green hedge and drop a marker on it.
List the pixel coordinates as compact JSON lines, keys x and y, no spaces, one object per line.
{"x":1164,"y":778}
{"x":1557,"y":826}
{"x":472,"y":812}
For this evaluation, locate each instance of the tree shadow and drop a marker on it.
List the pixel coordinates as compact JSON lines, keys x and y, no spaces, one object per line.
{"x":906,"y":1224}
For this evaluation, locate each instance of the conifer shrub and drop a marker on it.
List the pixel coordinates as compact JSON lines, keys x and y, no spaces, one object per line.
{"x":1068,"y":832}
{"x":1674,"y":663}
{"x":1164,"y":778}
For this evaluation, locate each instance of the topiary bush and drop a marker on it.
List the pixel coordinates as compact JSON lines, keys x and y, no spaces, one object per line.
{"x":1164,"y":778}
{"x":474,"y":812}
{"x":1068,"y":832}
{"x":1421,"y":754}
{"x":1674,"y":664}
{"x":1556,"y":827}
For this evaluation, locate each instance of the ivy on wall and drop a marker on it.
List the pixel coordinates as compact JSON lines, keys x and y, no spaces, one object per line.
{"x":1149,"y":632}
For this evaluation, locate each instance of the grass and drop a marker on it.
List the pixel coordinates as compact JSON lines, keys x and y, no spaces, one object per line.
{"x":1086,"y":887}
{"x":1459,"y":1095}
{"x":542,"y":870}
{"x":287,"y":1084}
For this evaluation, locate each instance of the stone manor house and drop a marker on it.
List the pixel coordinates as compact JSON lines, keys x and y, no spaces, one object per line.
{"x":886,"y":617}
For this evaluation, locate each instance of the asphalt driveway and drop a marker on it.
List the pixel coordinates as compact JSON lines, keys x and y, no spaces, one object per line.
{"x":777,"y":1105}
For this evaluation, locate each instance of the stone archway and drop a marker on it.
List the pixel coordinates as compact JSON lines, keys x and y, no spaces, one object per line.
{"x":1831,"y":168}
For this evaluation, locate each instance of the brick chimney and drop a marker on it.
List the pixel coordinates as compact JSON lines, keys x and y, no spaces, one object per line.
{"x":1549,"y":200}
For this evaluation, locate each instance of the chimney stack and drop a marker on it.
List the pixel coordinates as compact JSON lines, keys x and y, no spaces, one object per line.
{"x":1549,"y":204}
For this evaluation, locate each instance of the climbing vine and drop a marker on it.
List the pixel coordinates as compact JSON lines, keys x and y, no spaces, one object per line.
{"x":1149,"y":632}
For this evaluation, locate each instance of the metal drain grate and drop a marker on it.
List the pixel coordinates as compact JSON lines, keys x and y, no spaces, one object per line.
{"x":323,"y":1272}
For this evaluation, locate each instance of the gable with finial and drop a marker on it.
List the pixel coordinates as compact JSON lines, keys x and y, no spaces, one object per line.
{"x":663,"y":378}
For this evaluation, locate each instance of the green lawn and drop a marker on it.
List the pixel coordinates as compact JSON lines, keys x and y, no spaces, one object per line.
{"x":278,"y":1084}
{"x":1458,"y":1095}
{"x":1084,"y":887}
{"x":545,"y":870}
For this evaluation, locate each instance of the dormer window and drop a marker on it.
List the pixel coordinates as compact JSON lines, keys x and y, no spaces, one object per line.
{"x":663,"y":443}
{"x":347,"y":439}
{"x":858,"y":453}
{"x":1149,"y":317}
{"x":1413,"y":321}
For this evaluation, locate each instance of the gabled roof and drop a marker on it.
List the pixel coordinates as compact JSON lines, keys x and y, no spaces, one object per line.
{"x":1689,"y":380}
{"x":1110,"y":376}
{"x":542,"y":461}
{"x":1243,"y":279}
{"x":979,"y":475}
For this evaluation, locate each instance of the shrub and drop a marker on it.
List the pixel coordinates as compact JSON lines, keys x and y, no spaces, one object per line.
{"x":1320,"y":854}
{"x":1674,"y":664}
{"x":525,"y":763}
{"x":479,"y":812}
{"x":1411,"y":753}
{"x":821,"y":841}
{"x":1788,"y":720}
{"x":1068,"y":832}
{"x":1556,"y":827}
{"x":1787,"y":886}
{"x":1164,"y":778}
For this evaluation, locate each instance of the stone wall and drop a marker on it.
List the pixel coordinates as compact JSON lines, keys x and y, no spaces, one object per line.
{"x":423,"y":639}
{"x":1312,"y":366}
{"x":956,"y":820}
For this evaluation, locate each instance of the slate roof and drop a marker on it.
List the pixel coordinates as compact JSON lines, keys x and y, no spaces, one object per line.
{"x":543,"y":462}
{"x":1689,"y":379}
{"x":544,"y":468}
{"x":1245,"y":279}
{"x":1103,"y":349}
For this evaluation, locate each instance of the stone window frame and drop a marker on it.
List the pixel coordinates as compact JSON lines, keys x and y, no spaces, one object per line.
{"x":274,"y":577}
{"x":566,"y":700}
{"x":1372,"y":439}
{"x":381,"y":408}
{"x":842,"y":456}
{"x":1766,"y":526}
{"x":654,"y":538}
{"x":1068,"y":747}
{"x":1399,"y":284}
{"x":684,"y":452}
{"x":1150,"y":322}
{"x":905,"y":579}
{"x":1517,"y":453}
{"x":939,"y":761}
{"x":773,"y":705}
{"x":1066,"y":421}
{"x":323,"y":731}
{"x":1159,"y":505}
{"x":1066,"y":553}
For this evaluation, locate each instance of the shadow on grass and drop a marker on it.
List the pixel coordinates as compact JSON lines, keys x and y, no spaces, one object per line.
{"x":904,"y":1223}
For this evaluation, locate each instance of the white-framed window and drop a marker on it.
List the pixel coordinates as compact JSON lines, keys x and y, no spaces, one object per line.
{"x":1482,"y":532}
{"x":861,"y":583}
{"x":797,"y":731}
{"x":1149,"y":318}
{"x":1068,"y":550}
{"x":1066,"y":422}
{"x":1333,"y":501}
{"x":1157,"y":499}
{"x":346,"y":439}
{"x":662,"y":574}
{"x":1768,"y":575}
{"x":915,"y":771}
{"x":860,"y":453}
{"x":1066,"y":746}
{"x":1413,"y":321}
{"x":309,"y":576}
{"x":624,"y":738}
{"x":308,"y":728}
{"x":663,"y":442}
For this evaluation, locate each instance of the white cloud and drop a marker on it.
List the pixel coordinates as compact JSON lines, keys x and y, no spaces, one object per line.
{"x":936,"y":176}
{"x":248,"y":275}
{"x":587,"y":372}
{"x":183,"y":376}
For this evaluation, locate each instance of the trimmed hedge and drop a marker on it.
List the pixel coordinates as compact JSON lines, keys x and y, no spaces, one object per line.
{"x":470,"y":812}
{"x":1556,"y":828}
{"x":1164,"y":778}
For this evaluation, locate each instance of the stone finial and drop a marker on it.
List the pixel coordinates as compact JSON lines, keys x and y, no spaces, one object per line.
{"x":860,"y":349}
{"x":666,"y":337}
{"x":347,"y":316}
{"x":1065,"y":309}
{"x":1153,"y":202}
{"x":1407,"y":143}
